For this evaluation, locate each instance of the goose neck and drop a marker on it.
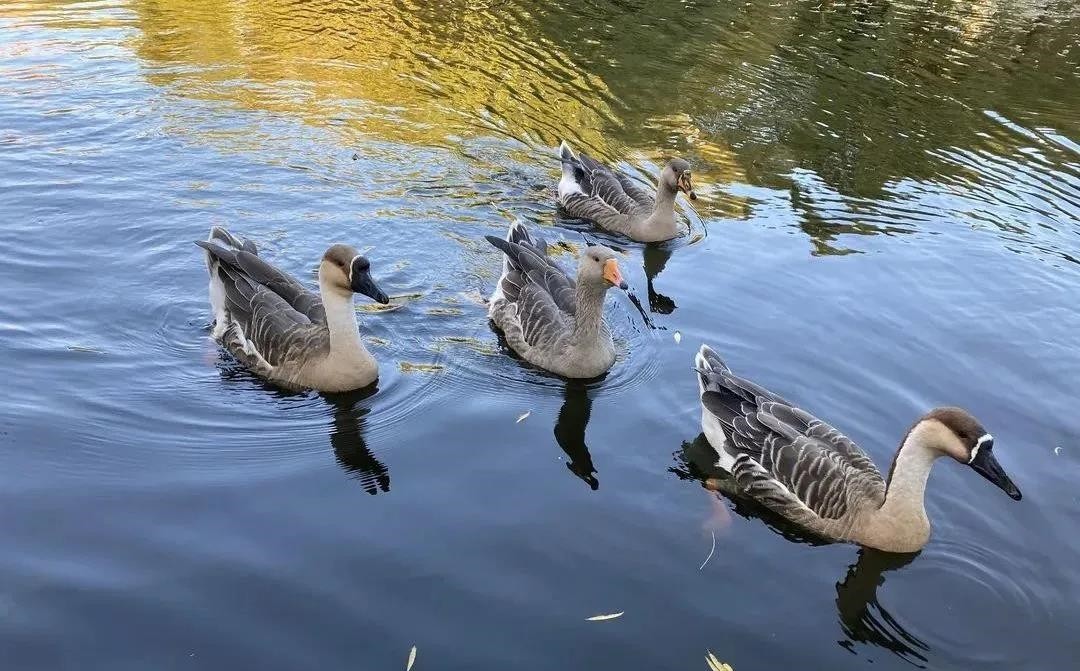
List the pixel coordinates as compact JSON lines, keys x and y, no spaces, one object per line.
{"x":340,"y":319}
{"x":590,"y":311}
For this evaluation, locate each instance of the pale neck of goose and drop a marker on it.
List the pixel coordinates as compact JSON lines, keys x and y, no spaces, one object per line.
{"x":341,"y":319}
{"x":590,"y":312}
{"x":663,"y":214}
{"x":904,"y":511}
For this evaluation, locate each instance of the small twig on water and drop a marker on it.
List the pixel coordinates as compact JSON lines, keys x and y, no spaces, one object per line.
{"x":711,"y":551}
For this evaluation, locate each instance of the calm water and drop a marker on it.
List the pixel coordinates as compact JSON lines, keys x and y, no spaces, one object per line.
{"x":889,"y":219}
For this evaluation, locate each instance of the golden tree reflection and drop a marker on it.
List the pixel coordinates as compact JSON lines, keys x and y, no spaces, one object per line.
{"x":401,"y":71}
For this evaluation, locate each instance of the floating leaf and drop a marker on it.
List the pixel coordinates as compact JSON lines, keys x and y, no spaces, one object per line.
{"x":369,"y":308}
{"x":412,"y":659}
{"x":474,"y":297}
{"x":601,"y":618}
{"x":410,"y":367}
{"x":475,"y":344}
{"x":715,"y":664}
{"x":523,"y":416}
{"x":444,"y":312}
{"x":678,"y":337}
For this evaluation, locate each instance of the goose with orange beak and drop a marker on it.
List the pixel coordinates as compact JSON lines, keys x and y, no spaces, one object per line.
{"x":550,"y":319}
{"x":617,"y":203}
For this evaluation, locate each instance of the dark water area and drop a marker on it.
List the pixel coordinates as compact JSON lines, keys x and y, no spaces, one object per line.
{"x":889,"y":219}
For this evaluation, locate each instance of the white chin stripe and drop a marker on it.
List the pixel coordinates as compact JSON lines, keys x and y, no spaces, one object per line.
{"x":985,"y":438}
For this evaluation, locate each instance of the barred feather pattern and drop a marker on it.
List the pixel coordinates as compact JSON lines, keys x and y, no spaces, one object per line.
{"x":272,"y":323}
{"x":544,"y":314}
{"x":792,"y":462}
{"x":603,"y":195}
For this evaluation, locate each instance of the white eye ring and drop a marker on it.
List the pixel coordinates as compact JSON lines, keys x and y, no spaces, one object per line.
{"x":985,"y":438}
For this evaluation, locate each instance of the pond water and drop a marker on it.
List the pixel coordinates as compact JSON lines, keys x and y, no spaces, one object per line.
{"x":887,"y":221}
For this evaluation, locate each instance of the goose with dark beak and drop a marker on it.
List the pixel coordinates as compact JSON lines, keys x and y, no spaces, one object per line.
{"x":281,"y":330}
{"x":808,"y":472}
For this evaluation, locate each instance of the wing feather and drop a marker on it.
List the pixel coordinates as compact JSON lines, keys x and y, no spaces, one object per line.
{"x":778,"y":446}
{"x":528,"y":267}
{"x":269,"y":324}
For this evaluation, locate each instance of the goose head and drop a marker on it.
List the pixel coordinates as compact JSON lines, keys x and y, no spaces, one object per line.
{"x":676,"y":177}
{"x":955,"y":433}
{"x":346,"y":270}
{"x":598,"y":268}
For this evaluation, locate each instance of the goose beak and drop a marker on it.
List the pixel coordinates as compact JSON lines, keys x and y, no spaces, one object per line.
{"x":612,"y":274}
{"x":987,"y":466}
{"x":362,"y":283}
{"x":686,"y":185}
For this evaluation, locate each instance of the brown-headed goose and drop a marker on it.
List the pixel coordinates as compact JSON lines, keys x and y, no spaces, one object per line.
{"x":590,"y":190}
{"x":282,"y":331}
{"x":811,"y":474}
{"x":551,"y":320}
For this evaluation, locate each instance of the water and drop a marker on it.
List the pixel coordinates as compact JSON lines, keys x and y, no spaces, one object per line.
{"x":890,"y":197}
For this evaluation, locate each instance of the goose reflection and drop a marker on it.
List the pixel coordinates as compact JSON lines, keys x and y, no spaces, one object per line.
{"x":655,"y":257}
{"x":862,"y":617}
{"x":347,"y":440}
{"x":570,"y":431}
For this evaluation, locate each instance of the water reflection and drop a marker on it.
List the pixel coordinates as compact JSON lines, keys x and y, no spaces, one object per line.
{"x":570,"y":431}
{"x":862,"y":617}
{"x":654,"y":258}
{"x":839,"y":91}
{"x":696,"y":461}
{"x":407,"y":71}
{"x":347,"y":440}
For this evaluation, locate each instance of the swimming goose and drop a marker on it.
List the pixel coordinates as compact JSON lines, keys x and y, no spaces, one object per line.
{"x":811,"y":474}
{"x":552,"y":321}
{"x":590,"y":190}
{"x":282,"y":331}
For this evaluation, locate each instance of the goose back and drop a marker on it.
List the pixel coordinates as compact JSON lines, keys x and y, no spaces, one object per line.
{"x":543,"y":313}
{"x":592,"y":191}
{"x":794,"y":463}
{"x":270,"y":319}
{"x":541,"y":294}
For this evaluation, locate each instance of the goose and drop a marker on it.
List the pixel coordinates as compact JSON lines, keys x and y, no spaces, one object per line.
{"x":590,"y":190}
{"x":282,"y":331}
{"x":551,"y":320}
{"x":808,"y":472}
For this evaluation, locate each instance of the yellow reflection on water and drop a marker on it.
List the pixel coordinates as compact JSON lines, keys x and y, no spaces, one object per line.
{"x":412,"y":72}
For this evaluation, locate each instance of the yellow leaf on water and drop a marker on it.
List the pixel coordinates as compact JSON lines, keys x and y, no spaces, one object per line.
{"x":523,"y":416}
{"x":714,"y":663}
{"x":601,"y":618}
{"x":410,"y":367}
{"x":412,"y":659}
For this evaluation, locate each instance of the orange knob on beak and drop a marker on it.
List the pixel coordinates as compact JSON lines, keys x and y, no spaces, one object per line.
{"x":612,"y":274}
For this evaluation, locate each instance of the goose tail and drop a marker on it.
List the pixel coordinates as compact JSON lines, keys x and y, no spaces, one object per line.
{"x":707,"y":363}
{"x":565,"y":152}
{"x":221,"y":244}
{"x":224,"y":237}
{"x":518,"y":233}
{"x":571,"y":169}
